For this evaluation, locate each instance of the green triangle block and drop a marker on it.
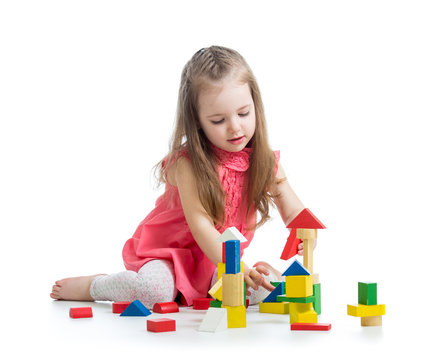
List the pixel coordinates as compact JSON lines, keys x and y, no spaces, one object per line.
{"x":367,"y":293}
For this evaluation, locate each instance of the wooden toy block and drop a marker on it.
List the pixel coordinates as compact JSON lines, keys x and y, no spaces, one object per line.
{"x":296,"y":269}
{"x":278,"y":290}
{"x":217,"y":290}
{"x":247,"y":302}
{"x":233,"y":289}
{"x":306,"y":220}
{"x":315,"y":278}
{"x":317,"y":304}
{"x":302,"y":300}
{"x":302,"y":313}
{"x":291,"y":247}
{"x":136,"y":308}
{"x":165,"y":307}
{"x":201,"y":303}
{"x":312,"y":327}
{"x":222,"y":269}
{"x":160,"y":325}
{"x":366,"y":310}
{"x":307,"y":236}
{"x":81,"y":312}
{"x":367,"y":293}
{"x":231,"y":233}
{"x":372,"y":321}
{"x":298,"y":286}
{"x":233,"y":257}
{"x":236,"y":316}
{"x":120,"y":306}
{"x":216,"y":303}
{"x":215,"y":320}
{"x":274,"y":307}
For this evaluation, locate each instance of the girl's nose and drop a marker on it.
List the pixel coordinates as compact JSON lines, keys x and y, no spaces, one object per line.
{"x":234,"y":124}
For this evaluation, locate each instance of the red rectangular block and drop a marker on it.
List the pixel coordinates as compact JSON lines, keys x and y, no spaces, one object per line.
{"x":202,"y":303}
{"x":81,"y":312}
{"x":312,"y":327}
{"x":120,"y":306}
{"x":160,"y":325}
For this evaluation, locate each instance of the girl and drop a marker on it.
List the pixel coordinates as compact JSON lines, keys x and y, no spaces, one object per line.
{"x":220,"y":172}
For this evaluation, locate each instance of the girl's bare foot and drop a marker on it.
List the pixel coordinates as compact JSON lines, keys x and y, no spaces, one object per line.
{"x":271,"y":269}
{"x":75,"y":288}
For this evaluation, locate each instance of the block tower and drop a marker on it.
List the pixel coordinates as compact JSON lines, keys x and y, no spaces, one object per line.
{"x":368,"y":309}
{"x":229,"y":291}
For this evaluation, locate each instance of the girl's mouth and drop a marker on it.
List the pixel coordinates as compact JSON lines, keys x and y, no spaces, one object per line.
{"x":237,"y":141}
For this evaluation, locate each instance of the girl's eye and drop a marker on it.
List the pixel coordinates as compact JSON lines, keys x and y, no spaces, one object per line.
{"x":245,"y":114}
{"x":217,"y":122}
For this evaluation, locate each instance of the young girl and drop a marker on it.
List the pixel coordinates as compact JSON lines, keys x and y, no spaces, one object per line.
{"x":220,"y":172}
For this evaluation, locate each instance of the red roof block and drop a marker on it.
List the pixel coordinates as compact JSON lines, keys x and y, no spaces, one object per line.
{"x":306,"y":220}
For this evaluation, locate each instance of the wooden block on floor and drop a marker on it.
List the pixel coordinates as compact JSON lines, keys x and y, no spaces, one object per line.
{"x":160,"y":325}
{"x":302,"y":313}
{"x":214,"y":320}
{"x":236,"y":316}
{"x":312,"y":327}
{"x":372,"y":321}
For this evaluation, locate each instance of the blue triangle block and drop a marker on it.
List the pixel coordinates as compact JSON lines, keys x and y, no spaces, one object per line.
{"x":272,"y":297}
{"x":296,"y":268}
{"x":136,"y":308}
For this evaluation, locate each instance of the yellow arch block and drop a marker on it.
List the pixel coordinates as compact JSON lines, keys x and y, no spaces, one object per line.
{"x":302,"y":313}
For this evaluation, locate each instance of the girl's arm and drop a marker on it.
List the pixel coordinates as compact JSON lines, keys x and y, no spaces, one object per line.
{"x":201,"y":225}
{"x":286,"y":200}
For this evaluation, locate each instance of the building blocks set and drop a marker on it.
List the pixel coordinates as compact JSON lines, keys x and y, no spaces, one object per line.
{"x":299,"y":295}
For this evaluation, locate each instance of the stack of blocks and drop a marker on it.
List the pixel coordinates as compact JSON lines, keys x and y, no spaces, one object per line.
{"x":229,"y":292}
{"x":297,"y":295}
{"x":368,"y":309}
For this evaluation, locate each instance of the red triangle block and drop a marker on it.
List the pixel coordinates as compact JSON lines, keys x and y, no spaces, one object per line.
{"x":290,"y":248}
{"x":306,"y":220}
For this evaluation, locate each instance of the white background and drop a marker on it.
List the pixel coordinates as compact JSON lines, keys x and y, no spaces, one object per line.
{"x":88,"y":93}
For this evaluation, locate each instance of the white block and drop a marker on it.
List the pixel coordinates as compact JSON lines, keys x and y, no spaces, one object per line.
{"x":214,"y":320}
{"x":231,"y":233}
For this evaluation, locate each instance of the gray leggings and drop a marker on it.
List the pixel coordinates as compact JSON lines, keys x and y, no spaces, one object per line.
{"x":155,"y":282}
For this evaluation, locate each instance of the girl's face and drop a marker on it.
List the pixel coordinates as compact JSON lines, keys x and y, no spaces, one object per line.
{"x":227,"y":114}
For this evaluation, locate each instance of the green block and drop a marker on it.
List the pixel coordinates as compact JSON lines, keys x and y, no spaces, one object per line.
{"x":302,"y":300}
{"x":367,"y":293}
{"x":216,"y":303}
{"x":317,"y":304}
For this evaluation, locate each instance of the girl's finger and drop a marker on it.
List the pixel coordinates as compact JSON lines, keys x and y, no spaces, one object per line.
{"x":262,"y":269}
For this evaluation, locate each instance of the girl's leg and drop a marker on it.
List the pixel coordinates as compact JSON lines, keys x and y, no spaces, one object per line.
{"x":155,"y":282}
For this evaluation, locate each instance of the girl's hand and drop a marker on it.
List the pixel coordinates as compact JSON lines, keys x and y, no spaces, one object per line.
{"x":300,"y":247}
{"x":253,"y":278}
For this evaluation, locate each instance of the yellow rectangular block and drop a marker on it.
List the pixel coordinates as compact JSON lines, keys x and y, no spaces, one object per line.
{"x":366,"y":310}
{"x":298,"y":286}
{"x":233,"y":289}
{"x":216,"y":291}
{"x":236,"y":316}
{"x":222,"y":269}
{"x":302,"y":313}
{"x":274,"y":308}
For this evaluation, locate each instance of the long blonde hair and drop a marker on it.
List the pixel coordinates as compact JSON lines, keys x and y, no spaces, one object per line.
{"x":214,"y":64}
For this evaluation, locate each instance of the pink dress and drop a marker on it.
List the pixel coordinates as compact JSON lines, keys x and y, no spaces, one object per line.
{"x":164,"y":233}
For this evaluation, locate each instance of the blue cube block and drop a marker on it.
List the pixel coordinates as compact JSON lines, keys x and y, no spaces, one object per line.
{"x":233,"y":257}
